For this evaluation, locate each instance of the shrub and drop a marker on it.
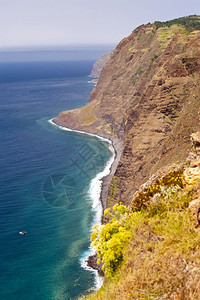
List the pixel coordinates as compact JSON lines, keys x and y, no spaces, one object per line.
{"x":191,"y":23}
{"x":109,"y":240}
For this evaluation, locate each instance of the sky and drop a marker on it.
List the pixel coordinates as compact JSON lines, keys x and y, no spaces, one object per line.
{"x":56,"y":23}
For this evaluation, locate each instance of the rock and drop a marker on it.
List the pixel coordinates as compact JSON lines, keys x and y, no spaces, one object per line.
{"x":100,"y":63}
{"x":194,"y":208}
{"x":144,"y":97}
{"x":92,"y":262}
{"x":195,"y":138}
{"x":191,"y":174}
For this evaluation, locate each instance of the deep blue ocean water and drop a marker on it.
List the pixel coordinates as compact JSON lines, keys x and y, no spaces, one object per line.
{"x":45,"y":175}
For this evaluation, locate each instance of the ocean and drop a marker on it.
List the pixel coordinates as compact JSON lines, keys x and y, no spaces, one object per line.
{"x":50,"y":181}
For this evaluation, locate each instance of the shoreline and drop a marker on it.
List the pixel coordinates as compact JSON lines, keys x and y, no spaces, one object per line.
{"x":102,"y":180}
{"x":117,"y":146}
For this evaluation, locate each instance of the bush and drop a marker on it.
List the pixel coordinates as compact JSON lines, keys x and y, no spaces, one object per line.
{"x":109,"y":240}
{"x":191,"y":23}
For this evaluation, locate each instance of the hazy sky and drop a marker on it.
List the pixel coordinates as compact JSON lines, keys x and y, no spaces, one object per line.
{"x":61,"y":22}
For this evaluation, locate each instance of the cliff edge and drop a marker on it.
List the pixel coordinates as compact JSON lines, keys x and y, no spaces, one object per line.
{"x":99,"y":64}
{"x":147,"y":97}
{"x":147,"y":100}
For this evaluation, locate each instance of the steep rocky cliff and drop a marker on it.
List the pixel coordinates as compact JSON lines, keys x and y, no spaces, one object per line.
{"x":148,"y":97}
{"x":100,"y":63}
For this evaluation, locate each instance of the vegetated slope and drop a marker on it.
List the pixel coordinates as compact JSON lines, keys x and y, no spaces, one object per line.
{"x":151,"y":249}
{"x":147,"y":96}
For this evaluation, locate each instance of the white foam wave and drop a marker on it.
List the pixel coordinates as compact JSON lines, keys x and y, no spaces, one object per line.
{"x":83,"y":132}
{"x":83,"y":261}
{"x":94,"y":193}
{"x":92,"y":82}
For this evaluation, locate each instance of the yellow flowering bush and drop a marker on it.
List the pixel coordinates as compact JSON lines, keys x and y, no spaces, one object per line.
{"x":110,"y":239}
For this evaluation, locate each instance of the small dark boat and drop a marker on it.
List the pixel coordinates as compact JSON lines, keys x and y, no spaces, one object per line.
{"x":22,"y":232}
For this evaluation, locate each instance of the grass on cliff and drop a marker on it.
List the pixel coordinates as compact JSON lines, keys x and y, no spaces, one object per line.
{"x":165,"y":34}
{"x":158,"y":248}
{"x":191,"y":23}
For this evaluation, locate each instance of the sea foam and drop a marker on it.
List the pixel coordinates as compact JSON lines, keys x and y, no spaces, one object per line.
{"x":94,"y":194}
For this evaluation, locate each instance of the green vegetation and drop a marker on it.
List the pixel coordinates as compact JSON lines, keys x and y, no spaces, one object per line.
{"x":134,"y":81}
{"x":174,"y":178}
{"x":191,"y":23}
{"x":112,"y":190}
{"x":139,"y":71}
{"x":110,"y":239}
{"x":136,"y":76}
{"x":166,"y":34}
{"x":147,"y":250}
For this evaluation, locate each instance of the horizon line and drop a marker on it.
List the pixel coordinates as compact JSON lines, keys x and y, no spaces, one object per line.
{"x":55,"y":47}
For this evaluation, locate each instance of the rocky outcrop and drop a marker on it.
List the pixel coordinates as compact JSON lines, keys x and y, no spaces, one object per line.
{"x":92,"y":262}
{"x":147,"y":96}
{"x":195,"y":137}
{"x":99,"y":64}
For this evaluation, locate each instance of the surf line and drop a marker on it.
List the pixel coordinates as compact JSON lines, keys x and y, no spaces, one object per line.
{"x":94,"y":192}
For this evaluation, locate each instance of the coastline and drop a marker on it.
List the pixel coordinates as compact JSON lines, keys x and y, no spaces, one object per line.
{"x":117,"y":148}
{"x":101,"y":182}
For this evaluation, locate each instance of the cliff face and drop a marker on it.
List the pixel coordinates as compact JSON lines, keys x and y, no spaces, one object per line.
{"x":99,"y":64}
{"x":148,"y":97}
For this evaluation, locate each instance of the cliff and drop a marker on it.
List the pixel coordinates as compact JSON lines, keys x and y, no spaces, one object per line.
{"x":147,"y":97}
{"x":99,"y":64}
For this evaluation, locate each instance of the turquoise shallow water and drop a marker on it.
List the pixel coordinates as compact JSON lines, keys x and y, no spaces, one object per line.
{"x":45,"y":178}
